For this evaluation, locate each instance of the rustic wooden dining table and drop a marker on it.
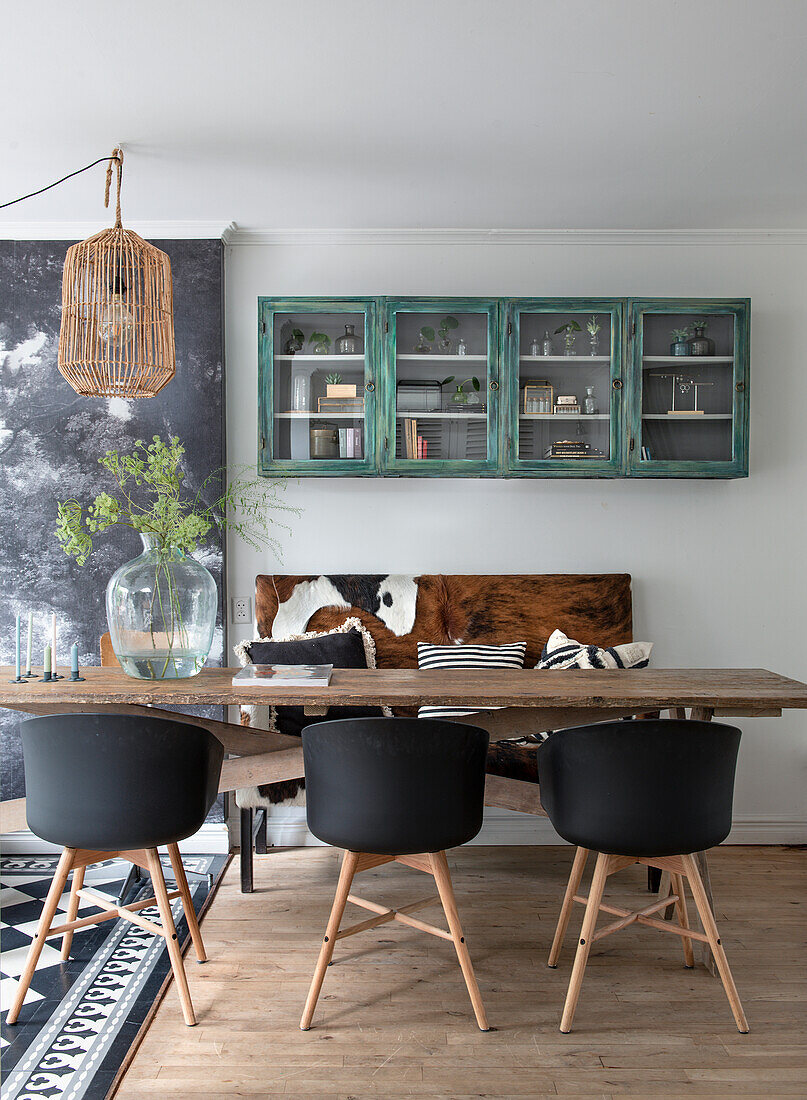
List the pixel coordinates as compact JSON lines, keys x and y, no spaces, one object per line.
{"x":532,"y":701}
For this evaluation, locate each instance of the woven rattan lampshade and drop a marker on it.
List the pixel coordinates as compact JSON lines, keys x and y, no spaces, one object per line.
{"x":117,"y":335}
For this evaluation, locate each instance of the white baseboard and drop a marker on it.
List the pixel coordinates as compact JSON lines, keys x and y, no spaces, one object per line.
{"x":288,"y":827}
{"x":212,"y":839}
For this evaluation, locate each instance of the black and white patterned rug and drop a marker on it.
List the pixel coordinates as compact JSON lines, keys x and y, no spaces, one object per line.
{"x":80,"y":1017}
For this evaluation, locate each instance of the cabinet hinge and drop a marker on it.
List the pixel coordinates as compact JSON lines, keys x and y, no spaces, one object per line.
{"x":633,"y":328}
{"x":386,"y":442}
{"x":386,"y":326}
{"x":263,"y":443}
{"x":509,"y":328}
{"x":263,"y":327}
{"x":632,"y":443}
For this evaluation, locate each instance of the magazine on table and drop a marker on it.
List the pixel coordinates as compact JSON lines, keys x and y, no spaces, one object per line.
{"x":283,"y":676}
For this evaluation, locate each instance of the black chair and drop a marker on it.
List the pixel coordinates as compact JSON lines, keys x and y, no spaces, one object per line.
{"x":104,"y":785}
{"x":394,"y":790}
{"x":651,"y":792}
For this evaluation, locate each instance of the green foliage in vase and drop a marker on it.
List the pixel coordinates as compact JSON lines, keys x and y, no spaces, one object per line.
{"x":151,"y":499}
{"x":680,"y":334}
{"x":474,"y":382}
{"x":427,"y":332}
{"x":446,"y":325}
{"x":320,"y":339}
{"x":568,"y":327}
{"x":334,"y":378}
{"x":592,"y":326}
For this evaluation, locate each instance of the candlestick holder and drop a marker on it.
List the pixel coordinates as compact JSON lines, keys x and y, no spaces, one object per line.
{"x":56,"y":676}
{"x":18,"y":680}
{"x":75,"y":678}
{"x":48,"y":677}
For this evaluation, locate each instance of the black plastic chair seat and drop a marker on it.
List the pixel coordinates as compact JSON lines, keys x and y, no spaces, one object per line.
{"x":652,"y":787}
{"x":394,"y":786}
{"x":118,"y":782}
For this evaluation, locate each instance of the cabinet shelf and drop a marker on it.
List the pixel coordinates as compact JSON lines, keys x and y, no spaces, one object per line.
{"x":702,"y":360}
{"x":440,"y":416}
{"x":564,"y":416}
{"x":413,"y":357}
{"x":671,"y":418}
{"x":318,"y":358}
{"x":573,"y":360}
{"x":319,"y":416}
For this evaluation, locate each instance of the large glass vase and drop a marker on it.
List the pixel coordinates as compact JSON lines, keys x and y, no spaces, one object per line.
{"x":161,"y":610}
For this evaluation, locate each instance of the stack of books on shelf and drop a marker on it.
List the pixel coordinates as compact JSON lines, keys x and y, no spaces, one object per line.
{"x":350,"y":442}
{"x":566,"y":404}
{"x":414,"y":445}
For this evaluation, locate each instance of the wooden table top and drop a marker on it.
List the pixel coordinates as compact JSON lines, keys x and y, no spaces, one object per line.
{"x":647,"y":688}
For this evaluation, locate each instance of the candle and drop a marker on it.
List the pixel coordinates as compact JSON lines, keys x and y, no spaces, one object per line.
{"x":46,"y":661}
{"x":74,"y":658}
{"x":53,"y":643}
{"x":28,"y":669}
{"x":19,"y":670}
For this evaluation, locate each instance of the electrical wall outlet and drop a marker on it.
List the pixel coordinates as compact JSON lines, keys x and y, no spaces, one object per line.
{"x":241,"y":609}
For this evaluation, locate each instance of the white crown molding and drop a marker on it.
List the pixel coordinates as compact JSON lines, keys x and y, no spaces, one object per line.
{"x":153,"y":230}
{"x":238,"y":236}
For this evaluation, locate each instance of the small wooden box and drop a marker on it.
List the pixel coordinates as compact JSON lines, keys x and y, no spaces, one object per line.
{"x":340,"y":389}
{"x":538,"y":398}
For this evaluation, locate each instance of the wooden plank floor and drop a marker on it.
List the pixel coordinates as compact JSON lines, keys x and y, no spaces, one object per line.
{"x":394,"y":1017}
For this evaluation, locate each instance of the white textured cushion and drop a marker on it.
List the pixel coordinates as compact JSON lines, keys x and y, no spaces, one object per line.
{"x":563,"y":652}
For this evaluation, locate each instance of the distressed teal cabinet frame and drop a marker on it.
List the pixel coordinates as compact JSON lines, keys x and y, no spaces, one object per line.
{"x":503,"y":316}
{"x":740,"y":310}
{"x":335,"y":467}
{"x":564,"y":467}
{"x":427,"y":467}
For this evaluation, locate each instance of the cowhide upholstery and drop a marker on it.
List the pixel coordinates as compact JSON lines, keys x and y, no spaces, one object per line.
{"x":457,"y":608}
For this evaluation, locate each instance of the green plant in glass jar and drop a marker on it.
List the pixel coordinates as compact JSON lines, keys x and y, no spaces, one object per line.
{"x":569,"y":330}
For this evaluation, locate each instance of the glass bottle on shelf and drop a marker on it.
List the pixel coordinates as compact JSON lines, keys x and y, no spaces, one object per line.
{"x":462,"y":347}
{"x":349,"y":343}
{"x":300,"y":389}
{"x":589,"y":402}
{"x":593,"y":327}
{"x":535,"y":347}
{"x":546,"y":346}
{"x":699,"y":343}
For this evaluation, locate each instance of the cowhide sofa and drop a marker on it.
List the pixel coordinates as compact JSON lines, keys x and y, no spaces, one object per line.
{"x":399,"y":611}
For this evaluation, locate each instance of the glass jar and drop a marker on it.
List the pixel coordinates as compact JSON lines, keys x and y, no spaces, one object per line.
{"x":568,"y":342}
{"x":700,"y":344}
{"x":589,"y":402}
{"x":349,"y":343}
{"x":462,"y":347}
{"x":300,"y":389}
{"x":535,"y":347}
{"x":546,"y":345}
{"x":161,"y":609}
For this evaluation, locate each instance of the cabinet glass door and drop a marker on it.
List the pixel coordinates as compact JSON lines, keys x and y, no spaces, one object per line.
{"x":566,"y":387}
{"x":317,"y":386}
{"x":442,"y":387}
{"x":689,"y":389}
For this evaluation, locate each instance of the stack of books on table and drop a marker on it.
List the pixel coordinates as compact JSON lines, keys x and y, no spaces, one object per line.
{"x":414,"y":445}
{"x":350,"y":442}
{"x":283,"y":676}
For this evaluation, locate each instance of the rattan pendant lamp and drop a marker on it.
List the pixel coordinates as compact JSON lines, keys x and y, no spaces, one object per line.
{"x":117,"y":335}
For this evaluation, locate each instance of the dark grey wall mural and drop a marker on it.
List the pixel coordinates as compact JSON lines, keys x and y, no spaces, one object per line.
{"x":50,"y":441}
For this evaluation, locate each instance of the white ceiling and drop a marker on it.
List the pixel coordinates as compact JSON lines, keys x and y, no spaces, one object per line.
{"x":376,"y":113}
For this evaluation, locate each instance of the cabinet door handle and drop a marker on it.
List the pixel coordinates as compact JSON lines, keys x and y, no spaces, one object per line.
{"x":617,"y":383}
{"x":370,"y":387}
{"x":494,"y":385}
{"x":740,"y":387}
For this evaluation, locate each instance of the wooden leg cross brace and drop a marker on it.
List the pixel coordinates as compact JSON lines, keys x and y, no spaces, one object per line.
{"x":77,"y":859}
{"x":678,"y":869}
{"x":432,"y":863}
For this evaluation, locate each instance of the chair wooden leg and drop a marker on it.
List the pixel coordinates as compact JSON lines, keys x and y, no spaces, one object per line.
{"x":572,"y":886}
{"x":584,"y":945}
{"x":710,"y":928}
{"x":349,"y":862}
{"x":442,"y":877}
{"x":167,"y":922}
{"x":72,"y":910}
{"x":677,"y":884}
{"x":187,"y":902}
{"x":45,"y":921}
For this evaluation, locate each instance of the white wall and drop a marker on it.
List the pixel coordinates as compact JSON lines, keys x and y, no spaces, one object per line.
{"x":718,"y":567}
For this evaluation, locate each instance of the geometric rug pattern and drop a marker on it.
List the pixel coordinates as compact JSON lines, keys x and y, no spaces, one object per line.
{"x":81,"y":1016}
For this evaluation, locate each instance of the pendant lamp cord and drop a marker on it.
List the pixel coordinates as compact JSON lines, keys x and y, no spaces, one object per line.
{"x":117,"y":156}
{"x":117,"y":160}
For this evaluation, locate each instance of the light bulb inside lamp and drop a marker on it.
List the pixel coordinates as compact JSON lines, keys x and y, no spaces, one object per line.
{"x":116,"y":324}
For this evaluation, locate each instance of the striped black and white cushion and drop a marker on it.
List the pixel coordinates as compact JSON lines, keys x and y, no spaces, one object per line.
{"x":467,"y":656}
{"x":563,"y":652}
